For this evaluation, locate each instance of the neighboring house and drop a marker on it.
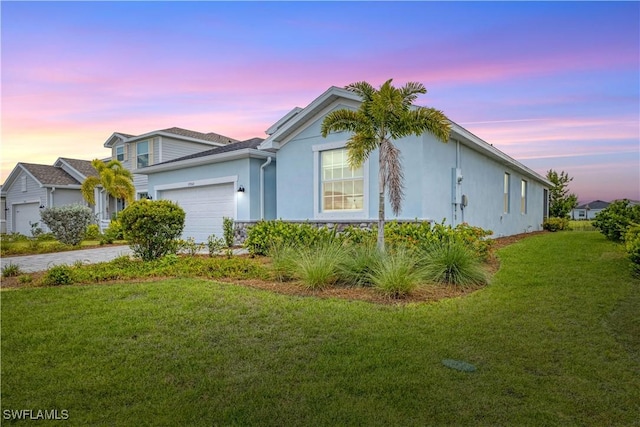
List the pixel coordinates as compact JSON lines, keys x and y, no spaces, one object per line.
{"x":141,"y":151}
{"x":3,"y":211}
{"x":588,"y":210}
{"x":31,"y":187}
{"x":235,"y":181}
{"x":465,"y":180}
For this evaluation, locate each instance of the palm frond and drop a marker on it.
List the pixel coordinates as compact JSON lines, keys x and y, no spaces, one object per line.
{"x":433,"y":121}
{"x":359,"y":146}
{"x":410,"y":92}
{"x":364,"y":89}
{"x":342,"y":120}
{"x":393,"y":175}
{"x":88,"y":187}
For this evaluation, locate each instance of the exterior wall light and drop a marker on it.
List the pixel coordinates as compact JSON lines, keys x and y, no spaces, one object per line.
{"x":241,"y":189}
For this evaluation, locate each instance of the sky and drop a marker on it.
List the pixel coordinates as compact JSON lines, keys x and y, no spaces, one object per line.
{"x":555,"y":85}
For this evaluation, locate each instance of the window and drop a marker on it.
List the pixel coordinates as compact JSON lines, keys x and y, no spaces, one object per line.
{"x":142,"y":150}
{"x":523,"y":197}
{"x":120,"y":153}
{"x":507,"y":187}
{"x":342,"y":187}
{"x":143,"y":195}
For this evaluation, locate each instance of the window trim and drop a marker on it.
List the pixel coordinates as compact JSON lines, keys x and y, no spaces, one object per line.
{"x":524,"y":196}
{"x":506,"y":198}
{"x":120,"y":147}
{"x":317,"y":187}
{"x":148,"y":153}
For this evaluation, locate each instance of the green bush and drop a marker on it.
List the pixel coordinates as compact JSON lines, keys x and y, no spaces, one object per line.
{"x":227,"y":226}
{"x":397,"y":274}
{"x":264,"y":234}
{"x":556,"y":224}
{"x":68,"y":223}
{"x":283,"y":261}
{"x":112,"y":233}
{"x":453,"y":263}
{"x":614,"y":220}
{"x":189,"y":246}
{"x":152,"y":227}
{"x":59,"y":275}
{"x":214,"y":244}
{"x":92,"y":232}
{"x":632,"y":244}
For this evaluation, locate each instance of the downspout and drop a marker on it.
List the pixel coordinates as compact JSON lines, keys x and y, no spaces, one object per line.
{"x":51,"y":198}
{"x":264,"y":165}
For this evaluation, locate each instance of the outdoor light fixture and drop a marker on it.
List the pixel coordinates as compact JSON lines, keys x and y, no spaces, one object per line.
{"x":241,"y":189}
{"x":41,"y":206}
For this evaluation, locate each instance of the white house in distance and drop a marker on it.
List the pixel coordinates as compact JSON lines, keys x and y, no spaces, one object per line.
{"x":589,"y":210}
{"x":465,"y":180}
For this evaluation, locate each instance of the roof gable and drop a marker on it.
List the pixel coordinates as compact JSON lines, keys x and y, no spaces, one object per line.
{"x":596,"y":204}
{"x":47,"y":175}
{"x":79,"y":169}
{"x":210,"y":138}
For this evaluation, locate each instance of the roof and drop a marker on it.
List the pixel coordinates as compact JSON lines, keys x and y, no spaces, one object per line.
{"x":49,"y":175}
{"x":82,"y":166}
{"x":238,"y":150}
{"x":210,"y":138}
{"x":596,"y":204}
{"x":249,"y":143}
{"x":284,"y":130}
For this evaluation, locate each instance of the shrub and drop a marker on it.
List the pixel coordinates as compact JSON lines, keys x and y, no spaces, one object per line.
{"x":68,"y":223}
{"x":614,"y":220}
{"x":152,"y":227}
{"x":92,"y":232}
{"x":227,"y":226}
{"x":283,"y":261}
{"x":112,"y":233}
{"x":25,"y":279}
{"x":454,"y":263}
{"x":11,"y":270}
{"x":264,"y":234}
{"x":214,"y":244}
{"x":632,"y":244}
{"x":556,"y":224}
{"x":189,"y":246}
{"x":396,"y":275}
{"x":59,"y":275}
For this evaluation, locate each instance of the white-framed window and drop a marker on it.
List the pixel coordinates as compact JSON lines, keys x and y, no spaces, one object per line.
{"x":342,"y":188}
{"x":142,"y":154}
{"x":523,"y":197}
{"x":120,"y":153}
{"x":507,"y":188}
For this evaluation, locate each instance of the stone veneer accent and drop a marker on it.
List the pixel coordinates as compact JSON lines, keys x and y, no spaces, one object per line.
{"x":241,"y":227}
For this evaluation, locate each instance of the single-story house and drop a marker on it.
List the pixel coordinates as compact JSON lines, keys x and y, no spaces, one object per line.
{"x":235,"y":181}
{"x":589,"y":210}
{"x":466,"y":180}
{"x":31,"y":187}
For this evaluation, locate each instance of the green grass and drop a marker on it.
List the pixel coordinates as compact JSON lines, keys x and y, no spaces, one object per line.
{"x":554,"y":339}
{"x":581,"y":225}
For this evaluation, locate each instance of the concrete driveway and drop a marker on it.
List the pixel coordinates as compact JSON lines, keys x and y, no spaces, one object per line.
{"x":42,"y":262}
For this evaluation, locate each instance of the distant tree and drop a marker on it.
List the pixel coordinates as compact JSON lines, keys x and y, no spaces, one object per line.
{"x":561,"y":202}
{"x":386,"y":114}
{"x":113,"y":177}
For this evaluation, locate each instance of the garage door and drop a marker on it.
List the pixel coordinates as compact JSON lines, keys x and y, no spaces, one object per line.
{"x":24,"y":213}
{"x":205,"y":206}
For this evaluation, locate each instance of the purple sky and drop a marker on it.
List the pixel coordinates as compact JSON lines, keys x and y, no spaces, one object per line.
{"x":554,"y":85}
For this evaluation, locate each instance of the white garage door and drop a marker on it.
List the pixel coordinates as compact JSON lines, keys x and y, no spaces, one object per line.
{"x":24,"y":213}
{"x":205,"y":206}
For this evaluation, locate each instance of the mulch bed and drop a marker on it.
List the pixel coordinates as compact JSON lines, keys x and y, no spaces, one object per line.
{"x":424,"y":294}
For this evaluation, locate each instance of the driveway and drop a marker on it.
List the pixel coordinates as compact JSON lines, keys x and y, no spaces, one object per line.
{"x":42,"y":262}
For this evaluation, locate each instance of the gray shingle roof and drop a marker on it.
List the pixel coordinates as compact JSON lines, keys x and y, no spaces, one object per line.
{"x":211,"y":136}
{"x":50,"y":175}
{"x":596,"y":204}
{"x":82,"y":166}
{"x":249,"y":143}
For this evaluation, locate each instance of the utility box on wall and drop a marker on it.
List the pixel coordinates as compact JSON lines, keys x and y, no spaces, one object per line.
{"x":456,"y":186}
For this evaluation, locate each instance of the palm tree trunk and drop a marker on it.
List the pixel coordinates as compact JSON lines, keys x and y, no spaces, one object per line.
{"x":380,"y":204}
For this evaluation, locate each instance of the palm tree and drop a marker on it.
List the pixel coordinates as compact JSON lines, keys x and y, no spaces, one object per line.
{"x":113,"y":177}
{"x":386,"y":114}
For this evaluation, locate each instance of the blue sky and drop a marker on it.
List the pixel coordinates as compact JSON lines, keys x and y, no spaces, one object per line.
{"x":555,"y":85}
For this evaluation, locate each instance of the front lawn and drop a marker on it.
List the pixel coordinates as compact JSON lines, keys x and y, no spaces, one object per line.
{"x":555,"y":340}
